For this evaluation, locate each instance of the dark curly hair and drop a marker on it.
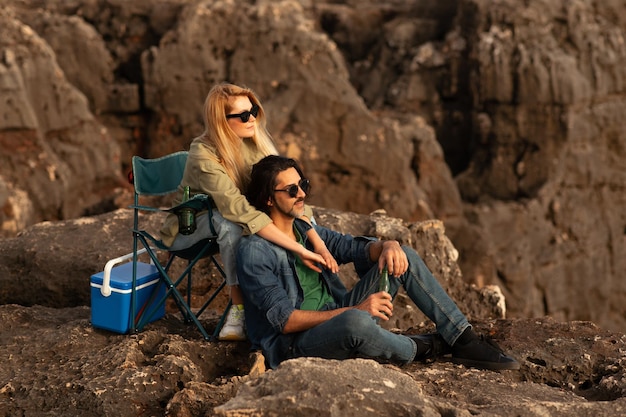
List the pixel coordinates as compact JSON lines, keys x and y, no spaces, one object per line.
{"x":263,"y":179}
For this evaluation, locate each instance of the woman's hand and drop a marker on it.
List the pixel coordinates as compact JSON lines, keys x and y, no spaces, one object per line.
{"x":329,"y":260}
{"x":320,"y":248}
{"x":311,"y":259}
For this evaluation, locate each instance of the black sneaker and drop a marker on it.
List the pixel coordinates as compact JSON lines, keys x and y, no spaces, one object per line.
{"x":483,"y":353}
{"x":429,"y":346}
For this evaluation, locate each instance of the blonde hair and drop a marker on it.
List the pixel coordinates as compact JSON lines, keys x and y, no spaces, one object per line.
{"x":227,"y":144}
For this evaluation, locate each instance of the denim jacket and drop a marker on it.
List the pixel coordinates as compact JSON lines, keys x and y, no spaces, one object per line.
{"x":268,"y":279}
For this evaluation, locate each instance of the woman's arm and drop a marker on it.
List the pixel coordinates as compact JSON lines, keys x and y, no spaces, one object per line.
{"x":275,"y":235}
{"x":319,"y":246}
{"x":232,"y":204}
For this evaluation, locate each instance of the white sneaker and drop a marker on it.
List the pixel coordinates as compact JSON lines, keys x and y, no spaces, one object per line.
{"x":234,"y":327}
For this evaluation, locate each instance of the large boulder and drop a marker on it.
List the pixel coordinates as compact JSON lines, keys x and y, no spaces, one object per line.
{"x":56,"y":160}
{"x":544,"y":187}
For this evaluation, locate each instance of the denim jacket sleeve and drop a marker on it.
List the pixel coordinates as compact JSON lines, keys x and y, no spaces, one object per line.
{"x":346,"y":248}
{"x":267,"y":279}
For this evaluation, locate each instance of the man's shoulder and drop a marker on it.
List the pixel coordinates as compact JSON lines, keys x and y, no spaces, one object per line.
{"x":251,"y":241}
{"x":253,"y":248}
{"x":301,"y":225}
{"x":325,"y":231}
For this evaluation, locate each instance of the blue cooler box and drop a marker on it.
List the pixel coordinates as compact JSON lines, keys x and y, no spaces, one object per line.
{"x":112,"y":312}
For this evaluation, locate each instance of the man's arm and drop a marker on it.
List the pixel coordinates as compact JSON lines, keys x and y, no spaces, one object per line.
{"x":378,"y":305}
{"x":257,"y":264}
{"x":301,"y":320}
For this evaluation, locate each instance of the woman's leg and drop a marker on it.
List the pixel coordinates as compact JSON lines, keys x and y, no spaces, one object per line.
{"x":228,"y":236}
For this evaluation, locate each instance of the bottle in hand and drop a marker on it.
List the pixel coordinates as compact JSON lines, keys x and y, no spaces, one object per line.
{"x":384,"y":281}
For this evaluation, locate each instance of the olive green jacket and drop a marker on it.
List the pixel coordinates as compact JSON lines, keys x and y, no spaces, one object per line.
{"x":205,"y":175}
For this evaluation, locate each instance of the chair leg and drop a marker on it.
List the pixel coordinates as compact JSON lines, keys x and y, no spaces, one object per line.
{"x":171,"y":290}
{"x":210,"y":300}
{"x":189,"y":289}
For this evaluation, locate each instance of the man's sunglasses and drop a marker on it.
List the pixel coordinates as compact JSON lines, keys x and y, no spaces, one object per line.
{"x":293,"y":188}
{"x":245,"y":116}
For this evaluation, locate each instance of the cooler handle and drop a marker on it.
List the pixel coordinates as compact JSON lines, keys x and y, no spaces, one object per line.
{"x":106,"y":280}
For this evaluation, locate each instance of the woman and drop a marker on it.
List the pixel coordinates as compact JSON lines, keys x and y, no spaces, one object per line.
{"x":219,"y":165}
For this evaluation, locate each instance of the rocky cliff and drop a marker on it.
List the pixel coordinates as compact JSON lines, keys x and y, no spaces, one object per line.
{"x":503,"y":120}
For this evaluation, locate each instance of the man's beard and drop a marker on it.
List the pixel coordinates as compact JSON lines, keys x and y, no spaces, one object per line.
{"x":293,"y":212}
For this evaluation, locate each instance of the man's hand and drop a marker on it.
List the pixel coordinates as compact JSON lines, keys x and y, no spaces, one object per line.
{"x":378,"y":305}
{"x":392,"y":255}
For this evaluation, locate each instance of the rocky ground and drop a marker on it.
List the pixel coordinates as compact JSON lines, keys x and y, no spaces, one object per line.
{"x":54,"y":363}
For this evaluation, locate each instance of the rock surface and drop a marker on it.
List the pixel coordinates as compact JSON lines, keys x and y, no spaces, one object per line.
{"x":56,"y":260}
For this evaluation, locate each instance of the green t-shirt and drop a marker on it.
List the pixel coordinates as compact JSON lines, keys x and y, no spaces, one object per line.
{"x":316,"y":294}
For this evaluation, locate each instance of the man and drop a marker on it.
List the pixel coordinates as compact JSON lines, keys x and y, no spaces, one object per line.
{"x":292,"y":311}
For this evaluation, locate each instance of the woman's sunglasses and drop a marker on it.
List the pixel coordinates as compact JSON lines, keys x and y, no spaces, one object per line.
{"x":292,"y":190}
{"x":245,"y":116}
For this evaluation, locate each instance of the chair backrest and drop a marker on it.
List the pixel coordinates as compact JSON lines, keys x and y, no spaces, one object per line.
{"x":158,"y":176}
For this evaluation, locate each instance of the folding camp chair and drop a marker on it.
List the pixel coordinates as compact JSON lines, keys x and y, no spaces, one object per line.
{"x":159,"y":177}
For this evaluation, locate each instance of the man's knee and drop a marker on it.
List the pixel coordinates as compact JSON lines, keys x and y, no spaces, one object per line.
{"x":415,"y":260}
{"x":354,"y":322}
{"x":411,"y":254}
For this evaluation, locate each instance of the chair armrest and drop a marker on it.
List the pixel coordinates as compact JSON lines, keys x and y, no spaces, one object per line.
{"x":145,"y":208}
{"x":198,"y":202}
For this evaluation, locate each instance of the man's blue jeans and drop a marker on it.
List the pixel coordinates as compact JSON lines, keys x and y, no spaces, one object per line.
{"x":355,"y":333}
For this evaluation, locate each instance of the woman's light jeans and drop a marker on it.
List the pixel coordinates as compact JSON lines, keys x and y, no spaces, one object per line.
{"x":228,"y":236}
